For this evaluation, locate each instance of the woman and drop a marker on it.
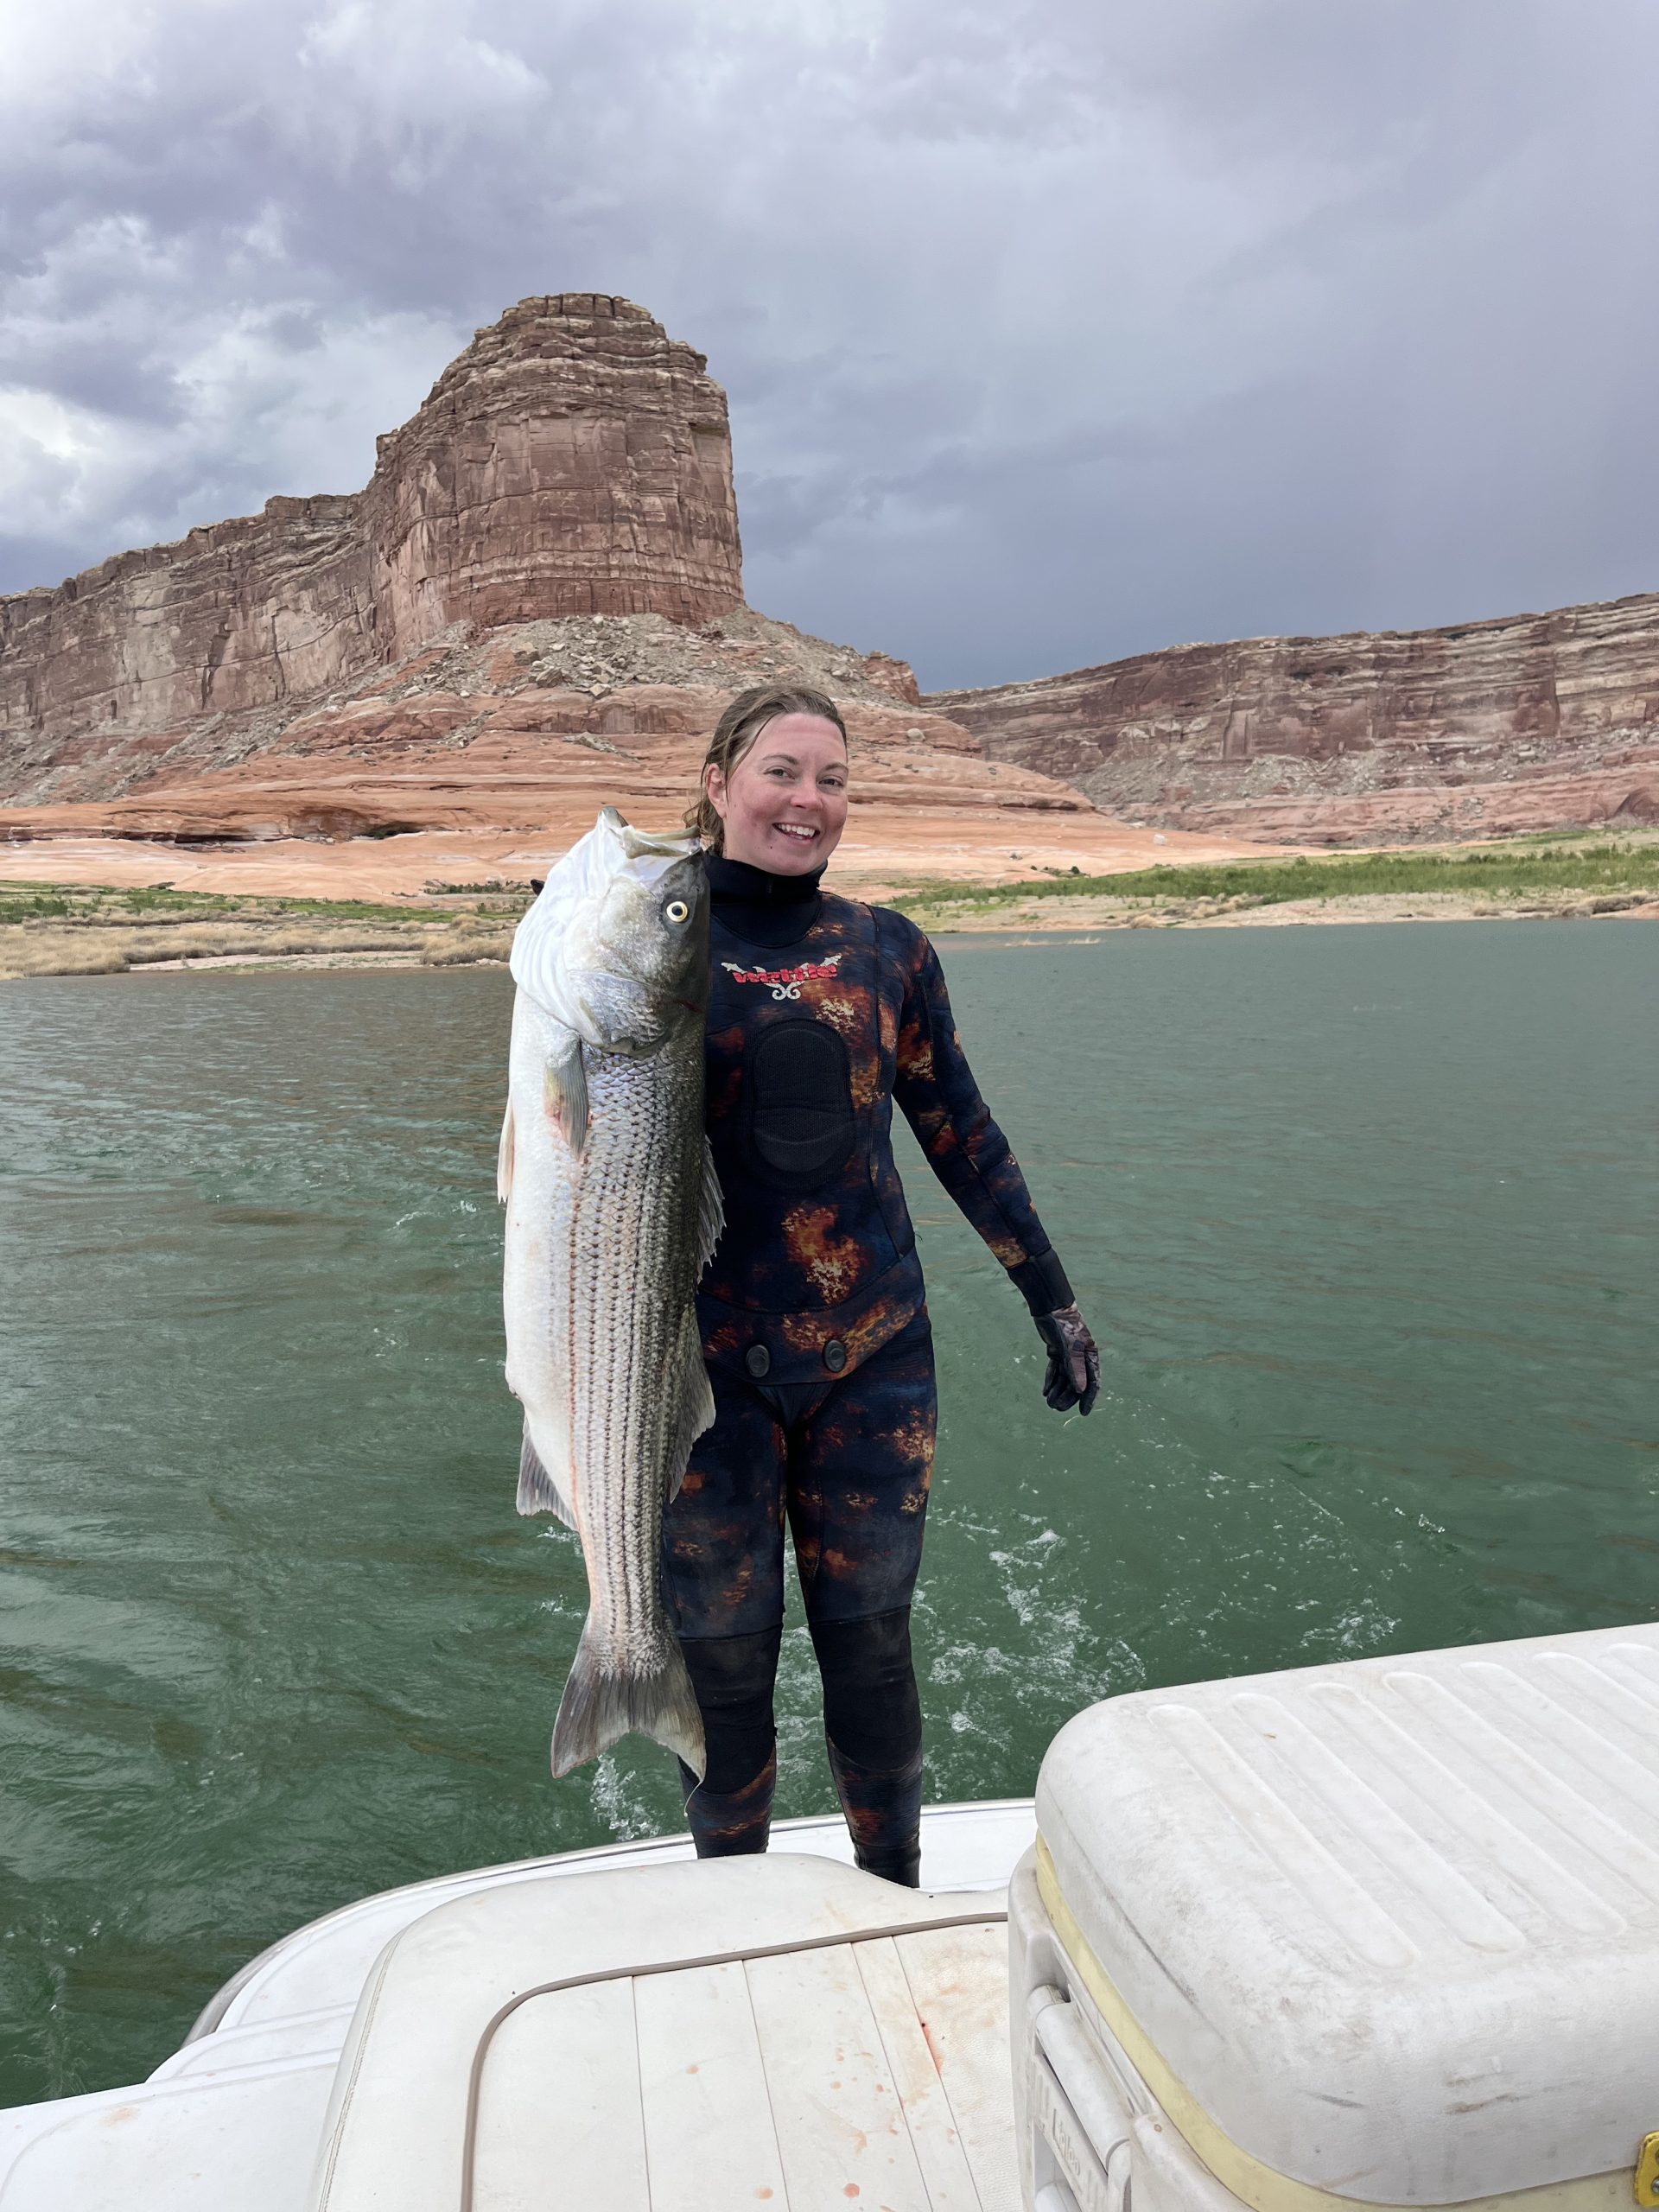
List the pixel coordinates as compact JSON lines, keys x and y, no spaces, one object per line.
{"x":822,"y":1013}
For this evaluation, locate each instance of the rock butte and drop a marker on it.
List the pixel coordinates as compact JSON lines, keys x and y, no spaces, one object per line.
{"x":574,"y":459}
{"x":537,"y":605}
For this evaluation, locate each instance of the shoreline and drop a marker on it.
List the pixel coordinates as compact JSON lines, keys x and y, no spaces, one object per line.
{"x":1021,"y":925}
{"x":1312,"y":913}
{"x":55,"y":921}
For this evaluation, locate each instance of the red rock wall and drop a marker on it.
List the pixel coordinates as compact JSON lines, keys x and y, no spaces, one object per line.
{"x":574,"y":460}
{"x":232,"y":617}
{"x":1533,"y":722}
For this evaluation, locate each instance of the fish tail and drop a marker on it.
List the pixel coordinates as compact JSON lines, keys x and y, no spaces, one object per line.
{"x":600,"y":1706}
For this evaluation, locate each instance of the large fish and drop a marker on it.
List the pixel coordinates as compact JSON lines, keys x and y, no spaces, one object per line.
{"x":612,"y":1208}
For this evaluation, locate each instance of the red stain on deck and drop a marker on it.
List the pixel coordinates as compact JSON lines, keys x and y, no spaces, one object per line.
{"x":932,"y":2049}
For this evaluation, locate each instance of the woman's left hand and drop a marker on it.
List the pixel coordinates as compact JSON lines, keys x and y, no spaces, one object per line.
{"x":1073,"y":1377}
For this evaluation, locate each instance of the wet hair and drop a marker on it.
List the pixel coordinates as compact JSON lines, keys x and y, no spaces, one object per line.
{"x":736,"y":731}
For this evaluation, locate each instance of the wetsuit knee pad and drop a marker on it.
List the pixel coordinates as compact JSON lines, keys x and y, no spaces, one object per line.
{"x":872,"y":1712}
{"x":732,"y":1676}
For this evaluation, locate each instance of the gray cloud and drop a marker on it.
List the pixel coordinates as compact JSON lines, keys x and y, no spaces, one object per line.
{"x":1051,"y":331}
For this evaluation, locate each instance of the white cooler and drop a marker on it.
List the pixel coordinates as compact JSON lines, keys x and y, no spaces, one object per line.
{"x":1384,"y":1934}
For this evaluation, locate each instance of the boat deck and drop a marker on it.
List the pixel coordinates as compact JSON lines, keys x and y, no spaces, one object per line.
{"x":874,"y":2070}
{"x":677,"y":2042}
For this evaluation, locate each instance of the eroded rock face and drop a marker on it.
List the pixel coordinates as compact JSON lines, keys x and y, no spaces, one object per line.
{"x":574,"y":459}
{"x":572,"y":469}
{"x":1533,"y":722}
{"x":530,"y":727}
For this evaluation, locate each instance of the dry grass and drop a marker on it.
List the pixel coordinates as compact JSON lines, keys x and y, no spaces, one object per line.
{"x":466,"y":950}
{"x":101,"y":947}
{"x":92,"y":930}
{"x":59,"y":954}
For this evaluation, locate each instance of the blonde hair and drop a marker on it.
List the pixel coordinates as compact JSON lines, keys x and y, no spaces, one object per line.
{"x":736,"y":731}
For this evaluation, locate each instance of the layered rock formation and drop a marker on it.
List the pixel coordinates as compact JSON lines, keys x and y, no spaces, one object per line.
{"x":537,"y":602}
{"x":508,"y":740}
{"x":535,"y":607}
{"x":1534,"y":722}
{"x":574,"y":459}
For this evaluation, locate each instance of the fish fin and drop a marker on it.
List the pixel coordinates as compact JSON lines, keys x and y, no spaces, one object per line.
{"x":503,"y":1159}
{"x":599,"y":1708}
{"x":711,"y":1208}
{"x":540,"y":1492}
{"x":695,"y":1410}
{"x":566,"y":1081}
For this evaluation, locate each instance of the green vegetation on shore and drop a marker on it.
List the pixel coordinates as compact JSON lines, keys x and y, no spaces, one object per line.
{"x":1503,"y":873}
{"x":89,"y":929}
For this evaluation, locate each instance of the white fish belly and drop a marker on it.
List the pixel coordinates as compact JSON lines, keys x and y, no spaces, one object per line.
{"x":601,"y":1265}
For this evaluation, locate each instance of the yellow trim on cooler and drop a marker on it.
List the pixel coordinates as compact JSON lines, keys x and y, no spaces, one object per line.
{"x":1646,"y":2188}
{"x":1258,"y":2185}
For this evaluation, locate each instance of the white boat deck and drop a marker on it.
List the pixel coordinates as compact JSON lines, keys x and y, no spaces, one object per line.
{"x":872,"y":2069}
{"x":903,"y":2070}
{"x":1386,"y":1926}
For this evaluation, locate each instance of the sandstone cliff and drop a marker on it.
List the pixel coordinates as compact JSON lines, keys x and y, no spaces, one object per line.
{"x":537,"y":602}
{"x":574,"y":459}
{"x":486,"y":753}
{"x":535,"y":607}
{"x":1534,"y":722}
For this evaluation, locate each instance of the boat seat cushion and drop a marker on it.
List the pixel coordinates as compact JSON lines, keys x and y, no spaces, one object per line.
{"x":780,"y":2030}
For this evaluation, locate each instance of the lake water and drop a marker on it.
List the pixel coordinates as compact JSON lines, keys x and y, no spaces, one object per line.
{"x":1364,"y":1218}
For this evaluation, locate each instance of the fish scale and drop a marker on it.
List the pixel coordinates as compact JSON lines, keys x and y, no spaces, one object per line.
{"x":612,"y":1210}
{"x":617,"y":1424}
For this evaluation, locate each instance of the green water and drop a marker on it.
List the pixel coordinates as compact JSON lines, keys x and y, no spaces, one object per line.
{"x":1364,"y":1218}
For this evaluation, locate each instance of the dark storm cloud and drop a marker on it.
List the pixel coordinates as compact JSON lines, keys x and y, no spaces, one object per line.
{"x":1052,"y":333}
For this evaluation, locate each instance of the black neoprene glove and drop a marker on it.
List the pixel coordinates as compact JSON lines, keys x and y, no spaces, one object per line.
{"x":1073,"y":1377}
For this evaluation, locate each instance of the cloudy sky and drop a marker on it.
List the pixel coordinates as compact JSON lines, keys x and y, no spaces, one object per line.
{"x":1054,"y":329}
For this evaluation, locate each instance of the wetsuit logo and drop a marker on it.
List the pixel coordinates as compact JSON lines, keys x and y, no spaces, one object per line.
{"x":785,"y":982}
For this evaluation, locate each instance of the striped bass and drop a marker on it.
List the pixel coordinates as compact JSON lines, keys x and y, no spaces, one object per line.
{"x":612,"y":1212}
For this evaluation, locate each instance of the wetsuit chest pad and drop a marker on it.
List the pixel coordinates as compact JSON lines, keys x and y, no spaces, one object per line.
{"x":797,"y":1126}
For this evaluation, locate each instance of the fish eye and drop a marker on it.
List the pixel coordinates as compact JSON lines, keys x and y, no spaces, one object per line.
{"x":677,"y":911}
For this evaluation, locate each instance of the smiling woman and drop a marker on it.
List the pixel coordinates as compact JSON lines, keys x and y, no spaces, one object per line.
{"x":823,"y":1013}
{"x":774,"y":781}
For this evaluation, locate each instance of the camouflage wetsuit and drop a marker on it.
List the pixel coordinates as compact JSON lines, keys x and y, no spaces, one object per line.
{"x":823,"y":1013}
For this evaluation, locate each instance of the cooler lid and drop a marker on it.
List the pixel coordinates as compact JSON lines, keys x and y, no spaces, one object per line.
{"x":1391,"y":1926}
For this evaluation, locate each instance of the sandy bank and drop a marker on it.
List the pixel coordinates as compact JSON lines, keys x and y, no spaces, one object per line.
{"x":1067,"y":917}
{"x":884,"y":847}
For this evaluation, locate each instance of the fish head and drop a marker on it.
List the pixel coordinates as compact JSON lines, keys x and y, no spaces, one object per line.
{"x":654,"y":925}
{"x":616,"y":947}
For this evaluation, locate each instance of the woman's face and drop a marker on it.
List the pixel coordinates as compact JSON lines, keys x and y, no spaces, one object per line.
{"x":783,"y":806}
